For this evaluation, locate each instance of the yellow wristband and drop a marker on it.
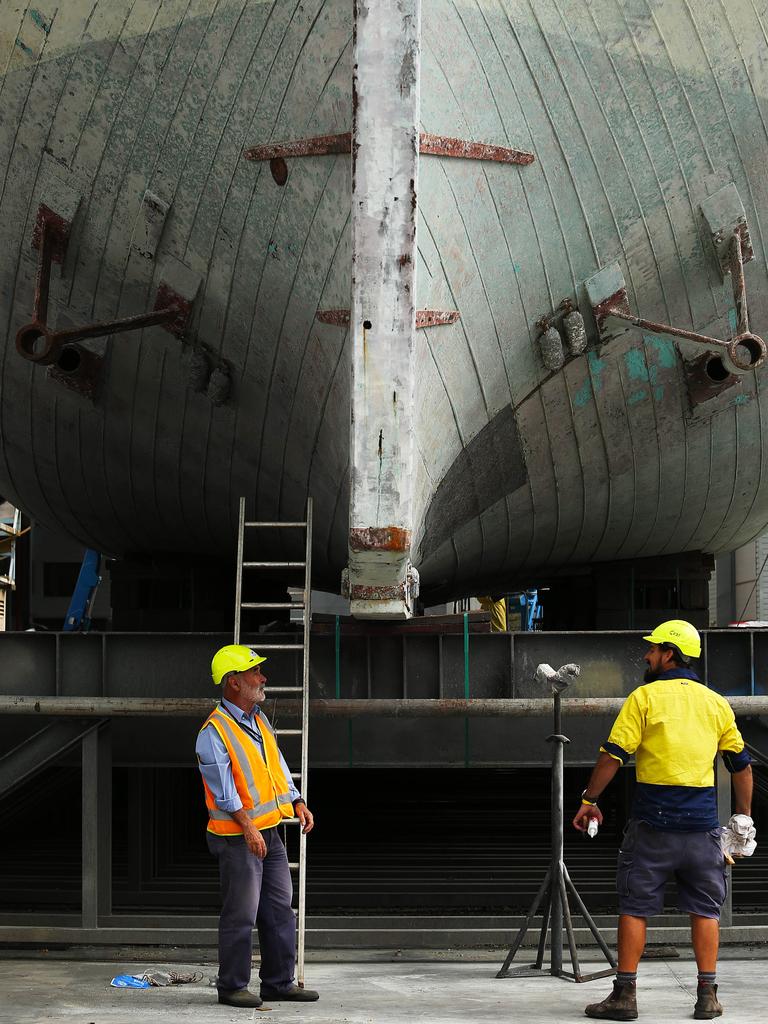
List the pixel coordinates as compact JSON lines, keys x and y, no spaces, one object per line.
{"x":589,"y":803}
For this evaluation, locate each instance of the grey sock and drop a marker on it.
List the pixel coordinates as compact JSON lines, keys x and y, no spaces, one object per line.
{"x":707,"y":977}
{"x":626,"y":977}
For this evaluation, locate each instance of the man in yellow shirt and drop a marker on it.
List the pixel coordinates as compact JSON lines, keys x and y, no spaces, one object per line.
{"x":497,"y":606}
{"x":674,"y":726}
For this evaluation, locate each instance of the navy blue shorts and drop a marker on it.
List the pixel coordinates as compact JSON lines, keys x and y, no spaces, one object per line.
{"x":650,"y":856}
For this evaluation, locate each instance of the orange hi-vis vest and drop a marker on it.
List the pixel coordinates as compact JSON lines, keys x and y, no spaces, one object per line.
{"x":260,"y":781}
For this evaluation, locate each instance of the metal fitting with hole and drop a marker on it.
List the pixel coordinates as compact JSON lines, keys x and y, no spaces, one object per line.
{"x":39,"y":343}
{"x":79,"y":369}
{"x":743,"y":352}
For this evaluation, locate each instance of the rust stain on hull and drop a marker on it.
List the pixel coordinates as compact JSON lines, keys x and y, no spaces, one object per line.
{"x":47,"y":222}
{"x":168,"y":300}
{"x":445,"y":145}
{"x":380,"y":538}
{"x":319,"y":145}
{"x":436,"y":317}
{"x":429,"y":145}
{"x":335,"y":317}
{"x":385,"y":592}
{"x":617,"y":301}
{"x":424,"y":317}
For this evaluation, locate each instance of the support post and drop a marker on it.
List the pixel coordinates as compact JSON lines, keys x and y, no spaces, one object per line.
{"x":97,"y":826}
{"x":385,"y":155}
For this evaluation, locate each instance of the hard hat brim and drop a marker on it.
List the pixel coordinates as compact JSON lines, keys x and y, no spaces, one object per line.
{"x":257,"y":659}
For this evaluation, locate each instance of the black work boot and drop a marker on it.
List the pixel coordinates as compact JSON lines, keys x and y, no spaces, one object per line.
{"x":707,"y":1005}
{"x":621,"y":1004}
{"x":292,"y":994}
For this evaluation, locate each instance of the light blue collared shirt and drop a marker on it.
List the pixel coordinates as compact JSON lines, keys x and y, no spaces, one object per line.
{"x":215,"y":766}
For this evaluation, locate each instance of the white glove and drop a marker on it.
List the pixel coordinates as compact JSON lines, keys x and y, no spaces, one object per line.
{"x":738,"y":836}
{"x":559,"y":680}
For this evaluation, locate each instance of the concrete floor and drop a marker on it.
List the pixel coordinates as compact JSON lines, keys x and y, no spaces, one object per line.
{"x":35,"y":991}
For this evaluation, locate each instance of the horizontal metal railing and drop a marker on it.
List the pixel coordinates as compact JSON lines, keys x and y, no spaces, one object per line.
{"x":194,"y":707}
{"x":755,"y":754}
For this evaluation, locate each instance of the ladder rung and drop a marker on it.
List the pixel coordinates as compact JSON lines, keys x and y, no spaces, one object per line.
{"x":295,"y":775}
{"x":288,"y":732}
{"x":293,"y":865}
{"x":272,"y":604}
{"x":280,"y":647}
{"x":275,"y":524}
{"x":285,"y":689}
{"x":274,"y":565}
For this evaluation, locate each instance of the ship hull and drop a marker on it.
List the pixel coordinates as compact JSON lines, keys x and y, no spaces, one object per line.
{"x":636,"y":115}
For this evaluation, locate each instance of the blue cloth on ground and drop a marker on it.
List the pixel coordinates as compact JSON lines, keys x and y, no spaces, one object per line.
{"x":130,"y":981}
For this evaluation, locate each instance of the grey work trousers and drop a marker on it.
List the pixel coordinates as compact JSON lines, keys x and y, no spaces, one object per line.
{"x":254,"y":892}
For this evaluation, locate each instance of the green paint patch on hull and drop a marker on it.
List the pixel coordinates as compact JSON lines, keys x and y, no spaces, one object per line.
{"x":39,"y":20}
{"x":664,"y":349}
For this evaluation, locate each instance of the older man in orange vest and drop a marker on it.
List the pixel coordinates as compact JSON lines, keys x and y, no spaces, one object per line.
{"x":248,"y":791}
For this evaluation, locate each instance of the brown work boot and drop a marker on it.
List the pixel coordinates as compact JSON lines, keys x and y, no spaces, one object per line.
{"x":239,"y":997}
{"x":621,"y":1004}
{"x":707,"y":1005}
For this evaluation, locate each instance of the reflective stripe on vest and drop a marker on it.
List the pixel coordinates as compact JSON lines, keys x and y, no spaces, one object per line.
{"x":260,"y":781}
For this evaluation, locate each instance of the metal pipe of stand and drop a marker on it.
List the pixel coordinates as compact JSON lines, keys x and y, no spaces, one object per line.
{"x":557,"y":808}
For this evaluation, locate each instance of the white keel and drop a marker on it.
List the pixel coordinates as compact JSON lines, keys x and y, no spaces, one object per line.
{"x":385,"y":157}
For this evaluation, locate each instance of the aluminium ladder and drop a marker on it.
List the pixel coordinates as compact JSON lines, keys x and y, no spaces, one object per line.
{"x":302,"y":692}
{"x":10,"y":531}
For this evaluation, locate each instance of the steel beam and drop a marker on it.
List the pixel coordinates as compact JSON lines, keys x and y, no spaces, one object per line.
{"x":385,"y":163}
{"x":174,"y":667}
{"x":193,"y":707}
{"x":349,"y":934}
{"x":96,"y":826}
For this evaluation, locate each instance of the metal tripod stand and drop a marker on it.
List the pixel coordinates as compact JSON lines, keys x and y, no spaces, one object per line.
{"x":553,"y":892}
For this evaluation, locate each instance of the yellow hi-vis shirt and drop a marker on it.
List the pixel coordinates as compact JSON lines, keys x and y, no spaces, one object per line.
{"x":675,"y":726}
{"x":498,"y":610}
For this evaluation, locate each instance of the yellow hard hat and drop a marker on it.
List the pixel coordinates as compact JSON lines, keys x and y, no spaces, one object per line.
{"x":682,"y":634}
{"x":233,"y":658}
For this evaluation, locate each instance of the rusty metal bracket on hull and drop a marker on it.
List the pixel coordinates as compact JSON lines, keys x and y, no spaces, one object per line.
{"x":424,"y":317}
{"x":38,"y":343}
{"x":743,"y":352}
{"x":432,"y":145}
